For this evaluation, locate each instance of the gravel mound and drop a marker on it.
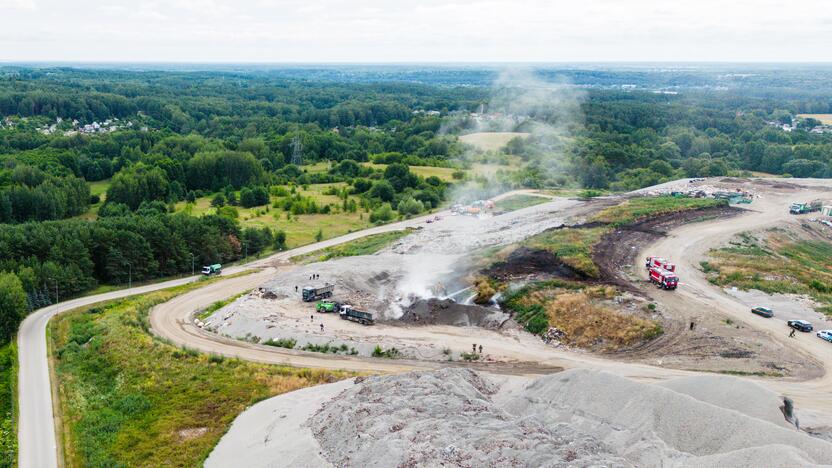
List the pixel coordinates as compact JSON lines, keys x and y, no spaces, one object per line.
{"x":740,"y":395}
{"x":443,"y":418}
{"x":457,"y":417}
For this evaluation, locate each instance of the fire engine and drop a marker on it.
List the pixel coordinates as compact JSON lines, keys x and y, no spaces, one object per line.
{"x":663,"y":279}
{"x":658,"y":262}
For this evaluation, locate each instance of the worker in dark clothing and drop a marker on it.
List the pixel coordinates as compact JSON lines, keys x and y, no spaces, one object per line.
{"x":480,"y":349}
{"x":791,"y":334}
{"x":312,"y":318}
{"x":322,"y":328}
{"x":296,"y":289}
{"x":692,"y":326}
{"x":474,"y":348}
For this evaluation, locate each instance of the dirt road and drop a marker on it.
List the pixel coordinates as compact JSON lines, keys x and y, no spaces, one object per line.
{"x":687,"y":245}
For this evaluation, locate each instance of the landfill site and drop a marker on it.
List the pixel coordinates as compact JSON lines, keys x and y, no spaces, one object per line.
{"x":719,"y":386}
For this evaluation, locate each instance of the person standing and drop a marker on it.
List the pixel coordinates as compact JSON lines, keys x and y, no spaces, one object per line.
{"x":791,"y":334}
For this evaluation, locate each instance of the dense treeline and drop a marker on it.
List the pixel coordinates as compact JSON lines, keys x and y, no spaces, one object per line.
{"x":32,"y":195}
{"x":75,"y":255}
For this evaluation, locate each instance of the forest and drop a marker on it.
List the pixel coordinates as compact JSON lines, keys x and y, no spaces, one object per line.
{"x":159,"y":143}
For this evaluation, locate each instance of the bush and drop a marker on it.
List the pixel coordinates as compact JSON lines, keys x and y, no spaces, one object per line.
{"x":281,"y":343}
{"x":382,"y":214}
{"x":537,"y":325}
{"x":279,"y":240}
{"x":391,"y":353}
{"x":410,"y":206}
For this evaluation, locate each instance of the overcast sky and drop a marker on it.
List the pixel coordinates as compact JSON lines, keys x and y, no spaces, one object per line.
{"x":415,"y":30}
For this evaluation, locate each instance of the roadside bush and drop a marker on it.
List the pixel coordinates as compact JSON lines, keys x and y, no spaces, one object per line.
{"x":382,"y":214}
{"x":281,"y":343}
{"x":410,"y":206}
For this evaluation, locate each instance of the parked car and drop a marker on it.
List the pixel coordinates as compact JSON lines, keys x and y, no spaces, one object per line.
{"x":763,"y":312}
{"x":801,"y":325}
{"x":825,"y":335}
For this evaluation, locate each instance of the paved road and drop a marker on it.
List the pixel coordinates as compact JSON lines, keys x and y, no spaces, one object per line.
{"x":36,"y":429}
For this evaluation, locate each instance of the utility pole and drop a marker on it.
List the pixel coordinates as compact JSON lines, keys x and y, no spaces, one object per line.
{"x":297,"y":151}
{"x":130,"y":275}
{"x":192,"y":263}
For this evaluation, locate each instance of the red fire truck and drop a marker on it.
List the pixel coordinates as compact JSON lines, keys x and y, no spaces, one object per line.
{"x":663,"y":279}
{"x":658,"y":262}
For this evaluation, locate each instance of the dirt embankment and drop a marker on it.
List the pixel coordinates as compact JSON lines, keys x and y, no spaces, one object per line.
{"x":617,"y":251}
{"x":536,"y":264}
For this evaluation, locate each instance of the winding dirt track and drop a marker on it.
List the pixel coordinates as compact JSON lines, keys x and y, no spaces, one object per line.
{"x":687,"y":245}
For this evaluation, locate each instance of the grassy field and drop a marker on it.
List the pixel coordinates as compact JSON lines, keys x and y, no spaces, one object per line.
{"x":576,"y":310}
{"x":364,"y":246}
{"x":490,"y":141}
{"x":779,"y":263}
{"x":517,"y":202}
{"x":636,"y":209}
{"x":444,"y":173}
{"x":572,"y":246}
{"x":129,"y":399}
{"x":8,"y":404}
{"x":299,"y":229}
{"x":825,"y":119}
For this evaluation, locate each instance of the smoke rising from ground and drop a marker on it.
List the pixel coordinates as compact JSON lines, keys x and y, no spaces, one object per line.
{"x":549,"y":112}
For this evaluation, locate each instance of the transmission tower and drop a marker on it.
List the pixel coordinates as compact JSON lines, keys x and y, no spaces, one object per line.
{"x":297,"y":151}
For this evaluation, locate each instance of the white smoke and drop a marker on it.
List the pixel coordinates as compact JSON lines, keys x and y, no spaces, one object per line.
{"x":549,"y":112}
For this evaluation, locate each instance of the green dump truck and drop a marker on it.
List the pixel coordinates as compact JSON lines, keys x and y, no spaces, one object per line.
{"x":214,"y":269}
{"x":802,"y":208}
{"x":312,"y":293}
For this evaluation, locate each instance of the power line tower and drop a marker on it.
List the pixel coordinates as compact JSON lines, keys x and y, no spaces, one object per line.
{"x":297,"y":151}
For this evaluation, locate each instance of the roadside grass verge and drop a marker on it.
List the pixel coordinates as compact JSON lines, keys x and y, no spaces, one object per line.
{"x":636,"y":209}
{"x":578,"y":311}
{"x":364,"y":246}
{"x":8,"y":404}
{"x":129,"y":399}
{"x":781,"y":263}
{"x":517,"y":202}
{"x":205,"y":313}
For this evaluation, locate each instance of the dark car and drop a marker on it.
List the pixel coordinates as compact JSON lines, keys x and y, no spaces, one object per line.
{"x":801,"y":325}
{"x":763,"y":312}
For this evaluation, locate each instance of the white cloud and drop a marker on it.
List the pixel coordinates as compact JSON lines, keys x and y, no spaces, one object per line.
{"x":426,"y":30}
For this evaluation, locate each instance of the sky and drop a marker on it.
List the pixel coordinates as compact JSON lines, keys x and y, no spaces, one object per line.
{"x":367,"y":31}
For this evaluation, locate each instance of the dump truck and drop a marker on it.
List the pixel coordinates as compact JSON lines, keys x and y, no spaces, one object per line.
{"x":311,"y":293}
{"x":663,"y":279}
{"x":327,"y":306}
{"x":808,"y":207}
{"x":348,"y":312}
{"x":214,"y":269}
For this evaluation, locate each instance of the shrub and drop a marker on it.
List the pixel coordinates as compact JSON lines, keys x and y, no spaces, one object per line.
{"x":382,"y":214}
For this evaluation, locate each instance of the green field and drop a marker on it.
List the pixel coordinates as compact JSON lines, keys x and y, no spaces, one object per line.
{"x":444,"y":173}
{"x":300,"y":229}
{"x":364,"y":246}
{"x":129,"y":399}
{"x":490,"y":141}
{"x":517,"y":202}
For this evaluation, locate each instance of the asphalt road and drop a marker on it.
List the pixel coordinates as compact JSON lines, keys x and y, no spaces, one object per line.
{"x":37,"y":445}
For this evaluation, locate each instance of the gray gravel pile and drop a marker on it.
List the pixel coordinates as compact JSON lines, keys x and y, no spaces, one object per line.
{"x":457,"y":417}
{"x":443,"y":418}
